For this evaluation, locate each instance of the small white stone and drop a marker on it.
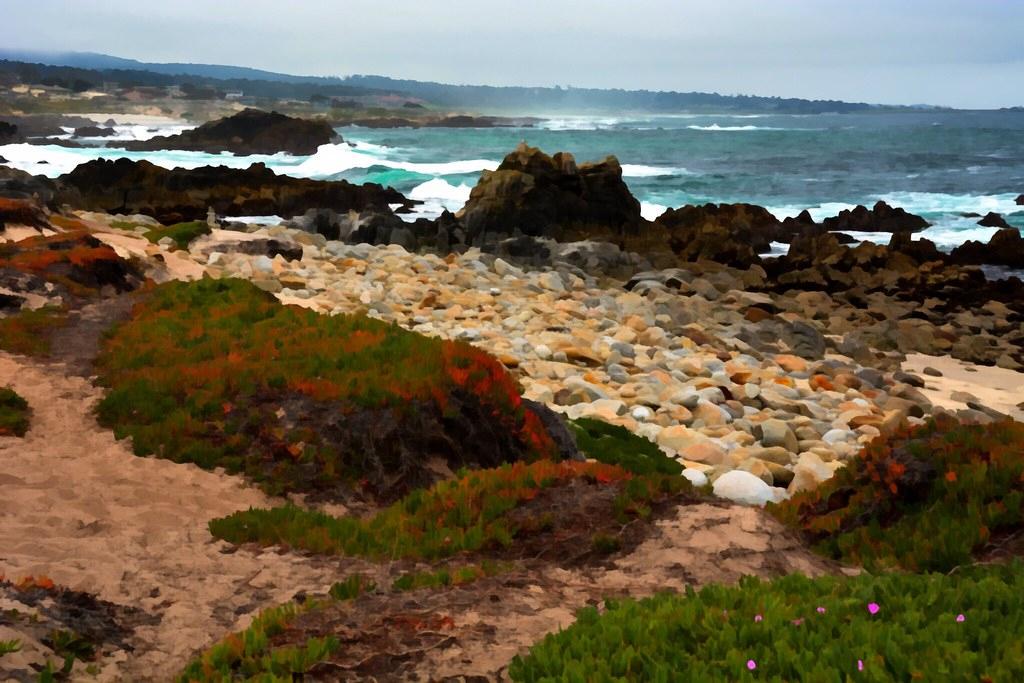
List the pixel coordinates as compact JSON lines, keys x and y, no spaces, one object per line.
{"x":696,"y":477}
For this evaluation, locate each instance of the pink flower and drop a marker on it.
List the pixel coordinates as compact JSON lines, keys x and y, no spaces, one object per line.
{"x":758,"y":617}
{"x":797,"y":622}
{"x":821,"y":610}
{"x":751,"y":664}
{"x":961,"y":618}
{"x":873,"y":607}
{"x":860,"y":665}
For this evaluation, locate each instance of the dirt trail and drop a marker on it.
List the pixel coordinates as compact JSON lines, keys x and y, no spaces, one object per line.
{"x":79,"y":507}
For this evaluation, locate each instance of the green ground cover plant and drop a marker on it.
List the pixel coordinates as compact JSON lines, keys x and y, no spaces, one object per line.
{"x":463,"y":515}
{"x":930,"y":499}
{"x":28,"y":332}
{"x":251,"y":654}
{"x":14,"y":413}
{"x":181,"y":233}
{"x":454,"y":576}
{"x":616,"y":445}
{"x":894,"y":627}
{"x":221,"y":374}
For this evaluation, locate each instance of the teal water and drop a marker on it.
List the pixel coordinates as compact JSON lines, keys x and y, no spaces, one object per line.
{"x":935,"y":164}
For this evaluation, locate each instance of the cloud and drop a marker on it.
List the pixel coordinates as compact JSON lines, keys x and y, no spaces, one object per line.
{"x":959,"y":52}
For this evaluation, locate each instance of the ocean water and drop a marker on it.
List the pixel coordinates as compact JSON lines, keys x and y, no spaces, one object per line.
{"x":935,"y":164}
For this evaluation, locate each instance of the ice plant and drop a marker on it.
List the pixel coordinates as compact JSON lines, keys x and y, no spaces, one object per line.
{"x":860,"y":665}
{"x":758,"y":617}
{"x":873,"y":607}
{"x":960,"y":618}
{"x":821,"y":610}
{"x":751,"y":664}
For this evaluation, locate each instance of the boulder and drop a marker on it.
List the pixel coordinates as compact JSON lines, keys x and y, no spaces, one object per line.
{"x":93,"y":132}
{"x":549,"y":196}
{"x":993,"y":220}
{"x":250,"y":131}
{"x":880,"y":218}
{"x":1006,"y":248}
{"x":17,"y":184}
{"x":22,"y":212}
{"x":173,"y":195}
{"x":745,"y":488}
{"x":1020,"y":200}
{"x":727,"y":233}
{"x":8,"y":133}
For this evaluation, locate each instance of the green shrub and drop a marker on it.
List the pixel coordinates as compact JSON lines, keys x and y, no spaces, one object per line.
{"x":617,"y":445}
{"x":799,"y":629}
{"x":928,"y":500}
{"x":466,"y":514}
{"x":14,"y":413}
{"x":181,"y":233}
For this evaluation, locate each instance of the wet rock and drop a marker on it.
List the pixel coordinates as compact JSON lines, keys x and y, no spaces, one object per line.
{"x":880,"y":218}
{"x":993,"y":220}
{"x":541,"y":195}
{"x":173,"y":195}
{"x":250,"y":131}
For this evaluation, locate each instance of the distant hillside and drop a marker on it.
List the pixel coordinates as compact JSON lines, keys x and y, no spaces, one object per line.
{"x":522,"y":100}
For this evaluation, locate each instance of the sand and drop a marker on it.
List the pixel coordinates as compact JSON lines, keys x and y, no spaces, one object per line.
{"x":79,"y":507}
{"x":996,"y":388}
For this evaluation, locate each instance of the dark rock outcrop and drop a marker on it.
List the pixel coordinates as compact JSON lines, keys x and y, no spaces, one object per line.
{"x":8,"y":133}
{"x":17,"y":184}
{"x":250,"y":131}
{"x":880,"y":218}
{"x":21,"y":212}
{"x":126,"y":186}
{"x":728,"y":233}
{"x":1006,"y":248}
{"x":993,"y":220}
{"x":93,"y":132}
{"x":1020,"y":200}
{"x":550,"y":196}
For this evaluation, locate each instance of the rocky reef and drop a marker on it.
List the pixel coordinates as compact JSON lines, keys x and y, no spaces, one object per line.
{"x":250,"y":131}
{"x":173,"y":195}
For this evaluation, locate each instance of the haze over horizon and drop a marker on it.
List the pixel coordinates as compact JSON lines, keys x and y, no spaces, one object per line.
{"x":944,"y":52}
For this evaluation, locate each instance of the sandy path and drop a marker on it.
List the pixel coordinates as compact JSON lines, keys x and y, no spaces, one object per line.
{"x":996,"y":388}
{"x":79,"y":507}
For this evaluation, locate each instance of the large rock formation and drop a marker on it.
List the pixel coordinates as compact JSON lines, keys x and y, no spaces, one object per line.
{"x":17,"y":184}
{"x":550,"y":196}
{"x":126,"y":186}
{"x":728,"y":233}
{"x":250,"y":131}
{"x":881,"y":218}
{"x":1020,"y":200}
{"x":1006,"y":248}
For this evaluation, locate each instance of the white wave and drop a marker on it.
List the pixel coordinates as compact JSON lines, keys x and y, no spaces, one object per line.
{"x":53,"y":160}
{"x":329,"y":160}
{"x":442,"y":190}
{"x":333,"y":159}
{"x":650,"y":211}
{"x":641,"y":171}
{"x":818,"y":213}
{"x":939,"y":202}
{"x":579,"y":123}
{"x":716,"y":127}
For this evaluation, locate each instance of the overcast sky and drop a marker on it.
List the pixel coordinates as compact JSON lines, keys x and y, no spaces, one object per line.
{"x":965,"y":53}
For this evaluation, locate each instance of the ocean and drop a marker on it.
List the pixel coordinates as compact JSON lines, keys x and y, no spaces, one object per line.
{"x":935,"y":164}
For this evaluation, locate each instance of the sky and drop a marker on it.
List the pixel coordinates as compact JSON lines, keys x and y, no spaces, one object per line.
{"x":962,"y":53}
